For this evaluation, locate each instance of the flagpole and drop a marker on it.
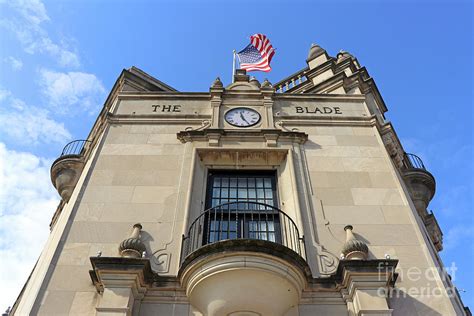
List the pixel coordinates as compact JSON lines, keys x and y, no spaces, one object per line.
{"x":233,"y":65}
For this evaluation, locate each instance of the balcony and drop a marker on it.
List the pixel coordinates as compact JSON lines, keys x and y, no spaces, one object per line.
{"x":243,"y":258}
{"x":65,"y":170}
{"x":420,"y":182}
{"x":422,"y":186}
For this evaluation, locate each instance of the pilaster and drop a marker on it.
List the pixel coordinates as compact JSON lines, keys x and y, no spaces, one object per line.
{"x":122,"y":282}
{"x":366,"y":285}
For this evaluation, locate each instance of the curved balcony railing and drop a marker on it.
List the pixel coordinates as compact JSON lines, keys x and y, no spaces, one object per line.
{"x":242,"y":220}
{"x":412,"y":161}
{"x":75,"y":148}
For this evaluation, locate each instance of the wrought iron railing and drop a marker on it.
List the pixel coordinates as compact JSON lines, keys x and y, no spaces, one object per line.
{"x":412,"y":161}
{"x":75,"y":148}
{"x":242,"y":220}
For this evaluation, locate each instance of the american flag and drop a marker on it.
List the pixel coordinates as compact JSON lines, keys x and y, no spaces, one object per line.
{"x":257,"y":55}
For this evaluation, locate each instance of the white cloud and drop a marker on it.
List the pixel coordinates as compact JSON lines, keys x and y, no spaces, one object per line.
{"x":27,"y":202}
{"x":458,"y":236}
{"x":15,"y":63}
{"x":4,"y":94}
{"x":28,"y":125}
{"x":33,"y":11}
{"x":71,"y":92}
{"x":26,"y":20}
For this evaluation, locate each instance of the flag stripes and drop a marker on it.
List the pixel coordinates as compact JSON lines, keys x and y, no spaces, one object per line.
{"x":257,"y":55}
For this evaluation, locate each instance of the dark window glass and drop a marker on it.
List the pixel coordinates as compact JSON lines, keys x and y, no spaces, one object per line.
{"x":241,"y":219}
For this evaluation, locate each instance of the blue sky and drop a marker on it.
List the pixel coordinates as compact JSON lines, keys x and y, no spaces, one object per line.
{"x":58,"y":60}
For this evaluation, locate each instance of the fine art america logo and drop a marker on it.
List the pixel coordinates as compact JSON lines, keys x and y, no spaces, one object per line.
{"x":426,"y":280}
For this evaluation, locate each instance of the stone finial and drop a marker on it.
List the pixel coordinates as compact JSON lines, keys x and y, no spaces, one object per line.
{"x":133,"y":247}
{"x":253,"y":81}
{"x":217,"y":83}
{"x":353,"y":248}
{"x":343,"y":55}
{"x":315,"y":51}
{"x":266,"y":84}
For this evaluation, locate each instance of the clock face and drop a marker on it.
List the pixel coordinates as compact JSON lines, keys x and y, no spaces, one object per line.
{"x":242,"y":117}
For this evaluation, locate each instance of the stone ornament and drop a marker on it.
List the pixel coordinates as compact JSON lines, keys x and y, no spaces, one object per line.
{"x":266,"y":84}
{"x":353,"y":248}
{"x":217,"y":83}
{"x":315,"y":51}
{"x":343,"y":55}
{"x":254,"y":81}
{"x":133,"y":247}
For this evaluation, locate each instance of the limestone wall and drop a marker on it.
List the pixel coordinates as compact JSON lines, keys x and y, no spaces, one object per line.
{"x":143,"y":174}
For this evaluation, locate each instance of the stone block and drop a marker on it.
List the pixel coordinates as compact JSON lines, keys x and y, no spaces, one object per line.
{"x":142,"y":149}
{"x":315,"y":141}
{"x":326,"y":130}
{"x":387,"y":235}
{"x":116,"y":129}
{"x":365,"y":164}
{"x":89,"y":211}
{"x":326,"y":164}
{"x":376,"y":196}
{"x":334,"y":196}
{"x":152,"y":194}
{"x":99,"y":232}
{"x":161,"y":162}
{"x":354,"y":214}
{"x":334,"y":151}
{"x":84,"y":303}
{"x":382,"y":180}
{"x":397,"y":214}
{"x":356,"y":140}
{"x":340,"y":179}
{"x":101,"y":177}
{"x":107,"y":194}
{"x":372,"y":152}
{"x":363,"y":131}
{"x":127,"y":139}
{"x":146,"y":177}
{"x":163,"y":139}
{"x":122,"y":162}
{"x":71,"y":278}
{"x":129,"y":212}
{"x":56,"y":303}
{"x":74,"y":254}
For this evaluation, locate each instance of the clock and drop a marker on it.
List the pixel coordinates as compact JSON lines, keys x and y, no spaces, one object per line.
{"x":242,"y":117}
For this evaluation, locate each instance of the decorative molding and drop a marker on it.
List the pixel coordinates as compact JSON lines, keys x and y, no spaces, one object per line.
{"x":328,"y":261}
{"x":392,"y":144}
{"x":269,"y":136}
{"x":161,"y":261}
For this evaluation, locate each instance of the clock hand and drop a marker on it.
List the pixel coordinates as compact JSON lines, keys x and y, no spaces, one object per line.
{"x":243,"y":118}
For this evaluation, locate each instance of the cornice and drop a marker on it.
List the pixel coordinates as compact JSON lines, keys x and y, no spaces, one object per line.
{"x":270,"y":136}
{"x":152,"y":95}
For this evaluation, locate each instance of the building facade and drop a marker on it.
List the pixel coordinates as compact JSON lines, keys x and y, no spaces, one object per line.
{"x":295,"y":198}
